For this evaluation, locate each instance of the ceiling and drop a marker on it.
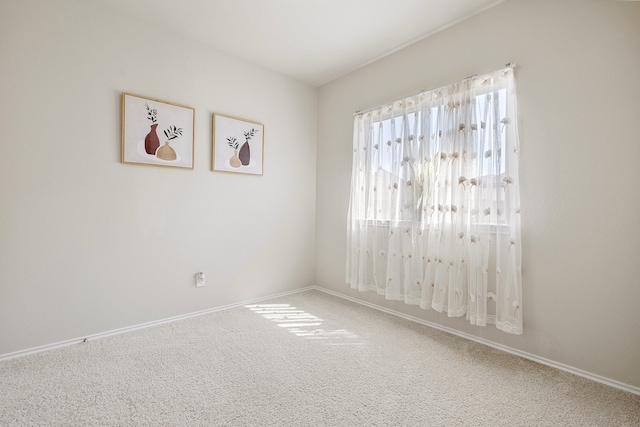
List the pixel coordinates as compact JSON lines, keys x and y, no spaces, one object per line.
{"x":314,"y":41}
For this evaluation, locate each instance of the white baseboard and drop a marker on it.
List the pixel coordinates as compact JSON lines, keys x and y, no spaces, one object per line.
{"x":516,"y":352}
{"x":74,"y":341}
{"x":523,"y":354}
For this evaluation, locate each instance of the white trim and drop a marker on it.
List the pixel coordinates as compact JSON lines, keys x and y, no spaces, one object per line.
{"x":124,"y":330}
{"x":516,"y":352}
{"x":588,"y":375}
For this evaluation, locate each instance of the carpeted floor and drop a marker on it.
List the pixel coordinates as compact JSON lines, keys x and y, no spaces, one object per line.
{"x":307,"y":359}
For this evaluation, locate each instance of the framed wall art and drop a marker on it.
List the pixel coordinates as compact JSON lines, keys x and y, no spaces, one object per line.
{"x":156,"y":132}
{"x":238,"y":145}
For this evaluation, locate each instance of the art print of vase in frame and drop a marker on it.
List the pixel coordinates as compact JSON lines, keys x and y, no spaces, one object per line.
{"x":156,"y":132}
{"x":238,"y":145}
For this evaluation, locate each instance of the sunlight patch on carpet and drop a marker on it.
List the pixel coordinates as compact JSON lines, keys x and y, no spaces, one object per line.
{"x":303,"y":324}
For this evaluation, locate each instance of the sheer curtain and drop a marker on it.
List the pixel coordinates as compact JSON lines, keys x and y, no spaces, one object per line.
{"x":434,"y":215}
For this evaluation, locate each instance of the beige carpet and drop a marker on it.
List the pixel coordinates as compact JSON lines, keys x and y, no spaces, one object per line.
{"x":307,"y":359}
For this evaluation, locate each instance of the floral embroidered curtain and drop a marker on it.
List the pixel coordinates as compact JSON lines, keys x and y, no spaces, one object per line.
{"x":434,"y":215}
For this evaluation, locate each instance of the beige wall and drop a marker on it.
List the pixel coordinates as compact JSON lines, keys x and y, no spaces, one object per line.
{"x":88,"y":244}
{"x":579,"y":108}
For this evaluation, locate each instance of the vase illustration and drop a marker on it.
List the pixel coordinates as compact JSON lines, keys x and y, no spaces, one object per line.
{"x":151,"y":141}
{"x":166,"y":152}
{"x":245,"y":154}
{"x":235,"y":161}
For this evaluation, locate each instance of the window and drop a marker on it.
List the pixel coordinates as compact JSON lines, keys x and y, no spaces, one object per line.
{"x":434,"y":177}
{"x":400,"y":140}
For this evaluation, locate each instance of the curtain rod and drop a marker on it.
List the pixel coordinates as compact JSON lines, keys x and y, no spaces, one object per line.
{"x":507,"y":65}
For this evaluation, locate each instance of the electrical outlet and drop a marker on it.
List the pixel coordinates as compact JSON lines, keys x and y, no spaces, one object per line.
{"x":199,"y":279}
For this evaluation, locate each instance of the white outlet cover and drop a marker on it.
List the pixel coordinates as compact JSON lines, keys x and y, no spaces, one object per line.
{"x":199,"y":280}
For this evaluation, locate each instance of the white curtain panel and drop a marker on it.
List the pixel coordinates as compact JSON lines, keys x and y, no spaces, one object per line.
{"x":434,"y":215}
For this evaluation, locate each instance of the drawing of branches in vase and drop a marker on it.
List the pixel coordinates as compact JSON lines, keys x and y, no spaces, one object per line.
{"x":143,"y":140}
{"x":151,"y":141}
{"x":245,"y":152}
{"x":243,"y":157}
{"x":166,"y":152}
{"x":234,"y":161}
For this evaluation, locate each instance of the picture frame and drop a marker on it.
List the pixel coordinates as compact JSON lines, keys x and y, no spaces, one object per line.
{"x":156,"y":133}
{"x":237,"y":145}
